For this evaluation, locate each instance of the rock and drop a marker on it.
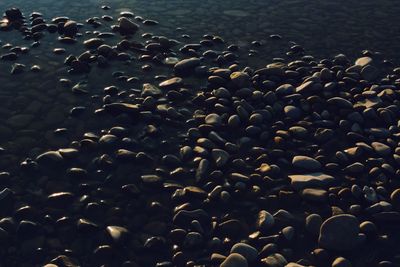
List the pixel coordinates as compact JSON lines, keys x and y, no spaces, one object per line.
{"x":340,"y":102}
{"x":247,"y":251}
{"x":234,"y":260}
{"x":285,"y":89}
{"x":117,"y":233}
{"x":369,"y":73}
{"x":363,"y":61}
{"x":63,"y":260}
{"x":305,"y":87}
{"x":381,"y":149}
{"x":313,"y":224}
{"x":306,"y":163}
{"x":70,"y":28}
{"x":60,"y":199}
{"x":213,"y":119}
{"x":341,"y":262}
{"x":17,"y":68}
{"x":274,"y":260}
{"x":119,"y":108}
{"x":317,"y":179}
{"x":14,"y":14}
{"x":220,"y":157}
{"x":50,"y":159}
{"x":264,"y":221}
{"x":150,"y":90}
{"x":186,"y":66}
{"x":313,"y":194}
{"x":292,"y":112}
{"x":173,"y":83}
{"x":93,"y":43}
{"x":240,"y":79}
{"x":395,"y":198}
{"x":127,"y":26}
{"x":339,"y":232}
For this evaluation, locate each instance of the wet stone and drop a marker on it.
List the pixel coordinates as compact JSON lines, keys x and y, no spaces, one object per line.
{"x":300,"y":181}
{"x":339,"y":232}
{"x":306,"y":163}
{"x":127,"y":26}
{"x":235,"y":260}
{"x":247,"y":251}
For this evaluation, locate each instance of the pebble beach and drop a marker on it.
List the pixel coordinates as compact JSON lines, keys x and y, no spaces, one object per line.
{"x":199,"y":134}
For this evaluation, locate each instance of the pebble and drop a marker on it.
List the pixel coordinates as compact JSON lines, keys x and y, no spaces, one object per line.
{"x":234,"y":260}
{"x":339,"y":232}
{"x":301,"y":181}
{"x":306,"y":163}
{"x":247,"y":251}
{"x":127,"y":26}
{"x":341,"y":262}
{"x":186,"y":66}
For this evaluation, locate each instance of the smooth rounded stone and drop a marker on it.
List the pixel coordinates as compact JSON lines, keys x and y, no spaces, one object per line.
{"x":238,"y":177}
{"x":213,"y":119}
{"x":70,"y":28}
{"x":151,"y":179}
{"x":363,"y":61}
{"x":381,"y":149}
{"x":306,"y":163}
{"x":339,"y":232}
{"x":305,"y":87}
{"x":234,"y":260}
{"x":17,"y":68}
{"x":240,"y":79}
{"x":356,"y":167}
{"x":247,"y":251}
{"x":313,"y":223}
{"x":340,"y":102}
{"x":60,"y":199}
{"x":9,"y":56}
{"x":150,"y":90}
{"x":395,"y":198}
{"x":341,"y":262}
{"x":368,"y":227}
{"x":274,"y":260}
{"x":318,"y":179}
{"x":369,"y":73}
{"x":50,"y":159}
{"x":298,"y":131}
{"x":193,"y":240}
{"x":265,"y":220}
{"x":14,"y":14}
{"x":108,"y":139}
{"x":186,"y":66}
{"x":288,"y":232}
{"x":292,"y":112}
{"x":314,"y":194}
{"x":293,"y":264}
{"x":63,"y":260}
{"x":285,"y":89}
{"x":172,"y":83}
{"x":117,"y":233}
{"x":220,"y":157}
{"x":234,"y":121}
{"x":93,"y":43}
{"x":127,"y":26}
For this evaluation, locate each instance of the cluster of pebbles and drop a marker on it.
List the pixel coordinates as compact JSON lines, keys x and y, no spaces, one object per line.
{"x":212,"y":164}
